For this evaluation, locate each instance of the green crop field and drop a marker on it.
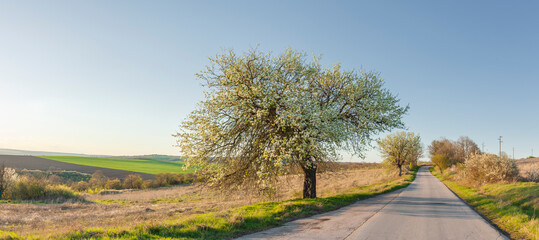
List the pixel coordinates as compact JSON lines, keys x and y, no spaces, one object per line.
{"x":135,"y":165}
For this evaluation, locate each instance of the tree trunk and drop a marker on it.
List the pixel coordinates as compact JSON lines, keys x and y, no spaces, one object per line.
{"x":309,"y":184}
{"x":400,"y":170}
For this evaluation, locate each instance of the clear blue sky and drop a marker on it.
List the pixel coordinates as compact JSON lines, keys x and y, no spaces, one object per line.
{"x":117,"y":77}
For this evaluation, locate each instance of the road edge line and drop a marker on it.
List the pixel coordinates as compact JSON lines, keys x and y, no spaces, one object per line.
{"x":501,"y":231}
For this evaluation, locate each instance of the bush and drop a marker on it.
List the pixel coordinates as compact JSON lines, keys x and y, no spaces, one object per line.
{"x":98,"y":180}
{"x":59,"y":192}
{"x":166,"y":179}
{"x":440,"y":161}
{"x":132,"y":181}
{"x":28,"y":188}
{"x":81,"y":186}
{"x":533,"y":175}
{"x":489,"y":168}
{"x":113,"y":184}
{"x":188,"y":178}
{"x":150,"y":184}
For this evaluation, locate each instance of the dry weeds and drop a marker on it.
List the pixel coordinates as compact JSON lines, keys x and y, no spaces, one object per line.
{"x":131,"y":208}
{"x":529,"y":168}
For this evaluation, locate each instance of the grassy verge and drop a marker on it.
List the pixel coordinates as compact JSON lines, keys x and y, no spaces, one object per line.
{"x":135,"y":165}
{"x":242,"y":220}
{"x":512,"y":207}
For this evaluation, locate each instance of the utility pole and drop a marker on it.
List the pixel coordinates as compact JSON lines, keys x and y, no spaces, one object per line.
{"x":513,"y":153}
{"x":500,"y":139}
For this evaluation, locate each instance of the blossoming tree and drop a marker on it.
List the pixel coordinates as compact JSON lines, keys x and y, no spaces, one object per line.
{"x":264,"y":113}
{"x":401,"y":148}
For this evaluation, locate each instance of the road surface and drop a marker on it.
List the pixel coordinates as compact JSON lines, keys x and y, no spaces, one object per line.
{"x":426,"y":209}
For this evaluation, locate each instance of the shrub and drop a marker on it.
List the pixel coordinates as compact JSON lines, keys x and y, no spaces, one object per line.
{"x":150,"y":184}
{"x":81,"y":186}
{"x":188,"y":178}
{"x":533,"y":175}
{"x":98,"y":180}
{"x":54,"y":179}
{"x":59,"y":192}
{"x":8,"y":177}
{"x":166,"y":179}
{"x":489,"y":168}
{"x":113,"y":184}
{"x":26,"y":188}
{"x":132,"y":181}
{"x":29,"y":188}
{"x":440,"y":161}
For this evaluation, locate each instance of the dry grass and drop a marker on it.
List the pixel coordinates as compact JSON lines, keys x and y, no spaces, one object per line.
{"x":131,"y":208}
{"x":529,"y":168}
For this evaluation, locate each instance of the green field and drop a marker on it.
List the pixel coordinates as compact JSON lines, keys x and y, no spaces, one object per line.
{"x":134,"y":165}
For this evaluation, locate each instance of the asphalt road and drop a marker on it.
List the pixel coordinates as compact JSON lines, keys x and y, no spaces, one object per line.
{"x":426,"y":209}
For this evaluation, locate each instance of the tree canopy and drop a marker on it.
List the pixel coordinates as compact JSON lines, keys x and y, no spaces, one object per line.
{"x":263,"y":113}
{"x":455,"y":151}
{"x":401,"y":148}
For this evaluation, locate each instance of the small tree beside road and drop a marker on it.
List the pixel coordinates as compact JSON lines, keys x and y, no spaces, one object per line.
{"x":440,"y":161}
{"x":401,"y":148}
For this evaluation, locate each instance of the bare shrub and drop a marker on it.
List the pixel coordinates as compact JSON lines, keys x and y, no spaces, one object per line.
{"x":489,"y":168}
{"x":80,"y":186}
{"x":8,"y":177}
{"x":98,"y":179}
{"x":149,"y":184}
{"x":133,"y":181}
{"x":113,"y":184}
{"x":165,"y":179}
{"x":30,"y":188}
{"x":533,"y":175}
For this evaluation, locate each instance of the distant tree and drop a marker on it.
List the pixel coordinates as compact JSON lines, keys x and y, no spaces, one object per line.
{"x":441,"y":161}
{"x":455,"y":151}
{"x":445,"y":148}
{"x":264,"y":113}
{"x":401,"y":148}
{"x":465,"y":148}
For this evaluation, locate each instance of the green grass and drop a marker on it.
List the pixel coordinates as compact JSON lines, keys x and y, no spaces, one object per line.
{"x":135,"y":165}
{"x":10,"y":235}
{"x":512,"y":207}
{"x":238,"y":221}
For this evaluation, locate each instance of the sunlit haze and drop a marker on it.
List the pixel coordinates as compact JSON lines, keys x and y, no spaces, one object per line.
{"x":117,"y":77}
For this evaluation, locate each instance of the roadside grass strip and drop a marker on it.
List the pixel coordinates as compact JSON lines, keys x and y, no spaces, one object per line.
{"x":243,"y":220}
{"x":10,"y":235}
{"x":134,"y":165}
{"x":512,"y":207}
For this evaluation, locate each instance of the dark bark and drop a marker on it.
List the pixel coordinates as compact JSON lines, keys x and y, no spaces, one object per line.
{"x":309,"y":184}
{"x":400,"y":170}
